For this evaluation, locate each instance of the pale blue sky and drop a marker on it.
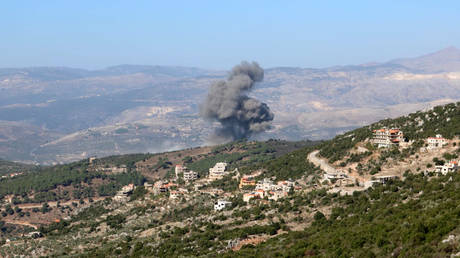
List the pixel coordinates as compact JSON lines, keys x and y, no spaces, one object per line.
{"x":214,"y":34}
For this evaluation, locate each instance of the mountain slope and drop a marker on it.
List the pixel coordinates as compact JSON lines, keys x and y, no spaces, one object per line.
{"x":415,"y":214}
{"x":444,"y":60}
{"x":308,"y":103}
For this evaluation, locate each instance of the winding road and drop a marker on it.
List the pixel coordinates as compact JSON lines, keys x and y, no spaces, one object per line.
{"x":323,"y":164}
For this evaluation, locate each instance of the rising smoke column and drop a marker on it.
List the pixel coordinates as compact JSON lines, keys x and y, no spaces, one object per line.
{"x":228,"y":103}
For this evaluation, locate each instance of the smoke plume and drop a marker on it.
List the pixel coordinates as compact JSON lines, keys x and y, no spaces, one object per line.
{"x":228,"y":103}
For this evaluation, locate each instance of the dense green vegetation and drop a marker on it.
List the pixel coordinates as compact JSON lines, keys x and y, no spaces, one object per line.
{"x":289,"y":166}
{"x":408,"y":218}
{"x":252,"y":155}
{"x":46,"y":179}
{"x":7,"y":167}
{"x":384,"y":220}
{"x":127,"y":160}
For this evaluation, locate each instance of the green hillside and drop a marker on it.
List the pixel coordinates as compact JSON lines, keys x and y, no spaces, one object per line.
{"x":7,"y":167}
{"x":414,"y":214}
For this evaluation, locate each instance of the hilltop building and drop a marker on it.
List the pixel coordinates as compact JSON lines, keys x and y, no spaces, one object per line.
{"x":436,"y":142}
{"x":385,"y":137}
{"x":91,"y":159}
{"x":218,"y":171}
{"x":179,"y":169}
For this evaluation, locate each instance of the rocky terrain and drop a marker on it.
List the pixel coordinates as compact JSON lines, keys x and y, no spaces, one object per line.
{"x":50,"y":115}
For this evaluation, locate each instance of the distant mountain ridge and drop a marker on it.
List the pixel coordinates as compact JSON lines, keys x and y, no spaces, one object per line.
{"x":444,"y":60}
{"x":76,"y":113}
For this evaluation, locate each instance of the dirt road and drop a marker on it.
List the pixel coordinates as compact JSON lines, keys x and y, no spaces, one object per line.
{"x":19,"y":222}
{"x":313,"y":158}
{"x":54,"y":204}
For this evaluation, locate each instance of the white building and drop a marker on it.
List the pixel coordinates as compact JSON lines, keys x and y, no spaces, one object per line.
{"x":379,"y":180}
{"x":449,"y":167}
{"x":337,"y":176}
{"x":266,"y":184}
{"x":179,"y":169}
{"x":436,"y":142}
{"x":385,"y":137}
{"x":221,"y":204}
{"x":218,"y":171}
{"x":190,"y":175}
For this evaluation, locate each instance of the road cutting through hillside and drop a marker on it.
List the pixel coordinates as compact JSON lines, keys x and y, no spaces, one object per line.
{"x":323,"y":164}
{"x":20,"y":222}
{"x":329,"y":169}
{"x":54,"y":203}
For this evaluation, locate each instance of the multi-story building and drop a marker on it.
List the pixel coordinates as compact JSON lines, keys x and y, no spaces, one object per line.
{"x":385,"y":137}
{"x":246,"y":181}
{"x":179,"y":169}
{"x":436,"y":142}
{"x":218,"y":171}
{"x":266,"y":184}
{"x":190,"y":175}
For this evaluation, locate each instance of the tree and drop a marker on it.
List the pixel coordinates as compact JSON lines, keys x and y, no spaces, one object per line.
{"x":45,"y":208}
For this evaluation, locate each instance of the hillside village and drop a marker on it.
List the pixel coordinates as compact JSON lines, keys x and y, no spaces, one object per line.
{"x":219,"y":201}
{"x":345,"y":179}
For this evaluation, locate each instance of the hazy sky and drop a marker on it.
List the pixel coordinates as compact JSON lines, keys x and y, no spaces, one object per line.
{"x":213,"y":34}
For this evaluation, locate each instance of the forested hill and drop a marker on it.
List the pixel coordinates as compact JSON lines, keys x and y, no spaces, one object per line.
{"x":416,"y":216}
{"x":7,"y":167}
{"x":418,"y":126}
{"x":414,"y":212}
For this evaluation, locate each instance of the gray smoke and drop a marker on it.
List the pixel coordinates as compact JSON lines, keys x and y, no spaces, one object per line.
{"x":228,"y":103}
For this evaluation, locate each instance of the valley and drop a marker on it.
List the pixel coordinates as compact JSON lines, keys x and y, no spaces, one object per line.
{"x":59,"y":115}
